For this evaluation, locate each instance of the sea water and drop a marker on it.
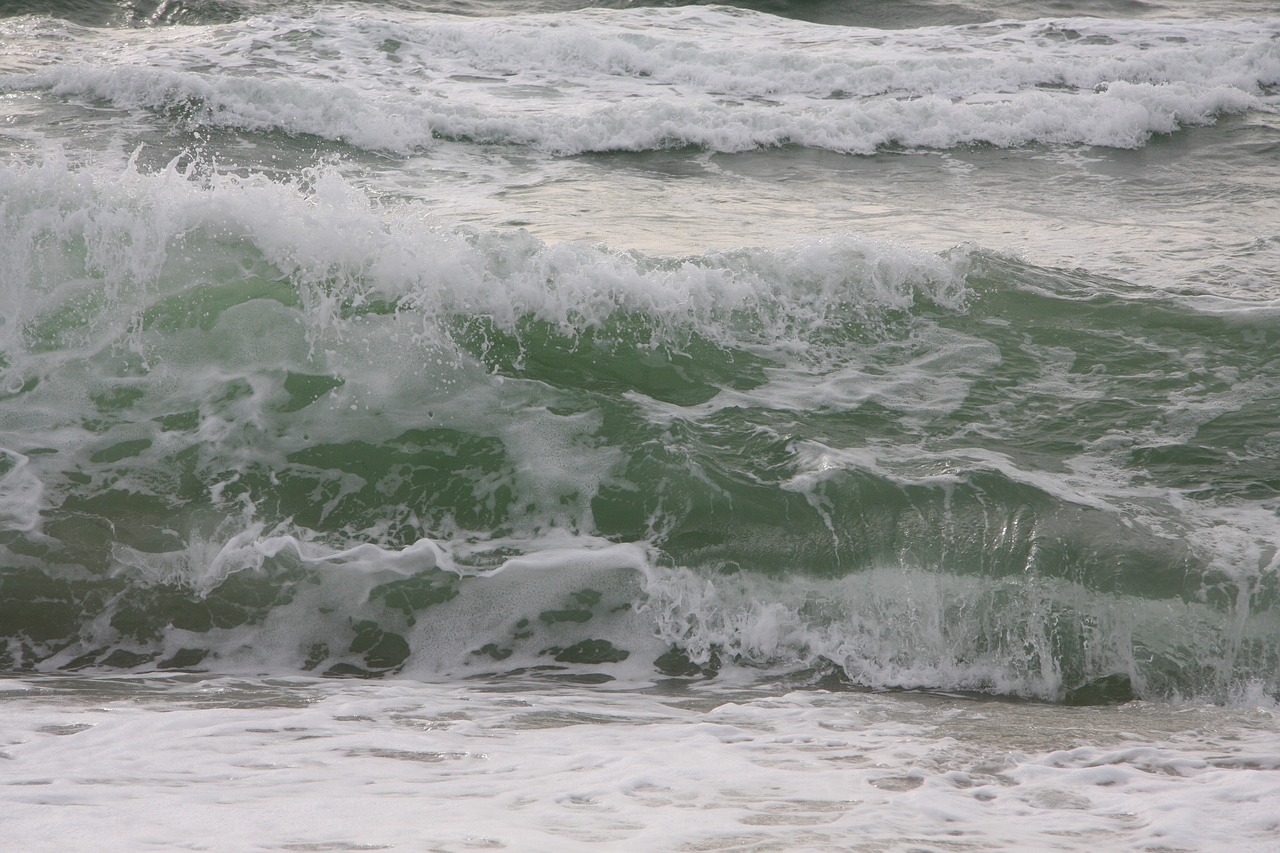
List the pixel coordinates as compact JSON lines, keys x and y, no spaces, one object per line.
{"x":551,"y":425}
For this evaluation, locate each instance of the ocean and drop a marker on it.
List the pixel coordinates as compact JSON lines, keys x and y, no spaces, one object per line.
{"x":546,"y":425}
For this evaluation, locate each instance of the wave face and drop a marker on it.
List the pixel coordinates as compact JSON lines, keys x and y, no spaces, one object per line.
{"x":722,"y":79}
{"x":264,"y":425}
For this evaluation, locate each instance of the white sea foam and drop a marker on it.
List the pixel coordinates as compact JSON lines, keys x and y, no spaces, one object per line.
{"x":21,"y":493}
{"x":654,"y":78}
{"x":251,"y":764}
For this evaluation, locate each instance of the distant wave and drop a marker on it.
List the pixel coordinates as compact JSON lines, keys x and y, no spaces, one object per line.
{"x":650,"y":78}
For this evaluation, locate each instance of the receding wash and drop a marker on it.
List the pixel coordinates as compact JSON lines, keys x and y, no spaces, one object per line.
{"x":885,"y":391}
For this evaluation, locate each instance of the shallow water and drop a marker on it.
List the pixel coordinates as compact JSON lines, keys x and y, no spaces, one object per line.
{"x":293,"y":764}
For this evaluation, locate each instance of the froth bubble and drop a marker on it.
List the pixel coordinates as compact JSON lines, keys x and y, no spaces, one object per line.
{"x":12,"y":382}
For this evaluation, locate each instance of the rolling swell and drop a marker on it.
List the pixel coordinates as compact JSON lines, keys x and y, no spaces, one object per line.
{"x":249,"y":425}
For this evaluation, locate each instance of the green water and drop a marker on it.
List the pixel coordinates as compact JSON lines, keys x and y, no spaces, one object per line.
{"x":1069,"y":480}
